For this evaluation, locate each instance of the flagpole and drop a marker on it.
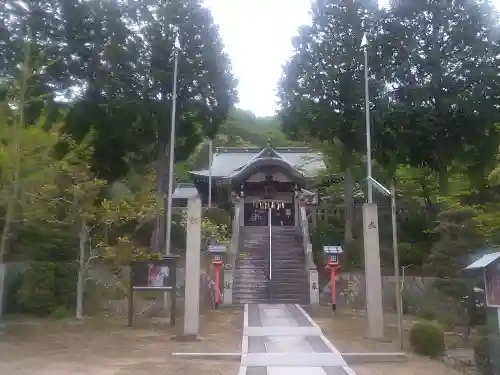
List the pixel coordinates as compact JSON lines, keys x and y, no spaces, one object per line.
{"x":168,"y":214}
{"x":210,"y":173}
{"x":364,"y":45}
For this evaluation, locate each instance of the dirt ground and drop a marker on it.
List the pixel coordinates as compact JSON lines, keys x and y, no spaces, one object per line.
{"x":108,"y":347}
{"x":347,"y":332}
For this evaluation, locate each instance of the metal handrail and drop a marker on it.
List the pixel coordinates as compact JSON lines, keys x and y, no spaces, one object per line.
{"x":270,"y":244}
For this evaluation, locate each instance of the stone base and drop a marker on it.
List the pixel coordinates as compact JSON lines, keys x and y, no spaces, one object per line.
{"x":187,"y":338}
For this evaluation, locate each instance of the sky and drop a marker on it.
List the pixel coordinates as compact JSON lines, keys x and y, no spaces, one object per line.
{"x":257,"y":35}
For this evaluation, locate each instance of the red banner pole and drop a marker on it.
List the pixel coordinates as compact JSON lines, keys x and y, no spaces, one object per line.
{"x":217,"y":269}
{"x":334,"y":305}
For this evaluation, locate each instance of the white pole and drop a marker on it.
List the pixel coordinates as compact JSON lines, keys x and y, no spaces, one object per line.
{"x":399,"y":302}
{"x":364,"y":44}
{"x":168,"y":214}
{"x":210,"y":173}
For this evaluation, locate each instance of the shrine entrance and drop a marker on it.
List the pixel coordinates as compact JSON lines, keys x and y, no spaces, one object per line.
{"x":257,"y":213}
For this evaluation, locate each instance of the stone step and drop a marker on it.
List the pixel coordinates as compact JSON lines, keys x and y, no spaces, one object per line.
{"x":287,"y":259}
{"x":258,"y":297}
{"x":250,"y":283}
{"x":248,"y":268}
{"x":257,"y":292}
{"x":286,"y":276}
{"x":282,"y":270}
{"x":299,"y":272}
{"x":299,"y":286}
{"x":252,"y":271}
{"x":256,"y":262}
{"x":289,"y":289}
{"x":252,"y":276}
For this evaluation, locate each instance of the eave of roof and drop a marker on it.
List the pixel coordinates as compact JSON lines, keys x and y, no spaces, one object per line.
{"x":228,"y":161}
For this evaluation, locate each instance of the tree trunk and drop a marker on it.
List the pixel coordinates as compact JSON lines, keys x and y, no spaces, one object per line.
{"x":348,"y":207}
{"x":80,"y":285}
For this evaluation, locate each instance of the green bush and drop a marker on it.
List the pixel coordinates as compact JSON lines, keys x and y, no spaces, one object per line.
{"x":12,"y":286}
{"x":427,"y":312}
{"x":47,"y":286}
{"x":60,"y":312}
{"x":218,"y":216}
{"x":427,"y":338}
{"x":482,"y":352}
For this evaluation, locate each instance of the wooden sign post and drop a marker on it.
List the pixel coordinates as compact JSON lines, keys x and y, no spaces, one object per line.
{"x":153,"y":275}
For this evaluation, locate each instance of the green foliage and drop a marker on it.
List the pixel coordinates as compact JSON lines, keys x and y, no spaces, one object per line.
{"x":427,"y":338}
{"x":60,"y":312}
{"x":47,"y":286}
{"x":218,"y":216}
{"x":127,"y":87}
{"x":323,"y":235}
{"x":40,"y":241}
{"x":427,"y":312}
{"x":459,"y":236}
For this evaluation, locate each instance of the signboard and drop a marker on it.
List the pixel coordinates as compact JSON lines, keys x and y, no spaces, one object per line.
{"x":217,"y":248}
{"x":492,"y":283}
{"x":153,"y":275}
{"x":158,"y":274}
{"x":332,"y":249}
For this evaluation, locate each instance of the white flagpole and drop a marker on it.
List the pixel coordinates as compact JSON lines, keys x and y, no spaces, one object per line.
{"x":210,"y":173}
{"x":364,"y":45}
{"x":168,"y":214}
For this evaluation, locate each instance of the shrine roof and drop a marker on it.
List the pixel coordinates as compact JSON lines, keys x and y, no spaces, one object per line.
{"x":228,"y":161}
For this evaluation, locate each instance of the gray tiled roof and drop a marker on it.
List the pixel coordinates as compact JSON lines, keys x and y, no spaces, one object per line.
{"x":484,"y":261}
{"x":227,"y":160}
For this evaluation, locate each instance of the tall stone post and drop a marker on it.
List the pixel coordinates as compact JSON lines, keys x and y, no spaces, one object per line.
{"x":193,"y":253}
{"x":373,"y":276}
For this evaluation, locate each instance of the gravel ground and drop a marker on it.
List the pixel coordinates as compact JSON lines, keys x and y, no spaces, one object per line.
{"x":99,"y":347}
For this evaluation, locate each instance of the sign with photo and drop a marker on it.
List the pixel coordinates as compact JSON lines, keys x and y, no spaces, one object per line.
{"x":158,"y":274}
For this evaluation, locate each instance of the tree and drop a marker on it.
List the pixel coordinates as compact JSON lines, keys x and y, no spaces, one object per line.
{"x":25,"y":151}
{"x":114,"y":62}
{"x":441,"y":61}
{"x":321,"y":92}
{"x":459,"y":237}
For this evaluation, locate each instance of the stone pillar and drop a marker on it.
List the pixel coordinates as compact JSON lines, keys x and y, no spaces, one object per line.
{"x":296,"y":208}
{"x":242,"y":211}
{"x":314,"y":217}
{"x":242,"y":207}
{"x":3,"y":277}
{"x":313,"y":287}
{"x":374,"y":308}
{"x":193,"y":253}
{"x":228,"y":286}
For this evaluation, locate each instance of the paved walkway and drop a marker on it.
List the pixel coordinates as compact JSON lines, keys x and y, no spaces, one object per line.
{"x":284,"y":340}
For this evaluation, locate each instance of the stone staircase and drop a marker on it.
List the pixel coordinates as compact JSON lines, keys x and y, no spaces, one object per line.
{"x":290,"y":282}
{"x":251,"y":277}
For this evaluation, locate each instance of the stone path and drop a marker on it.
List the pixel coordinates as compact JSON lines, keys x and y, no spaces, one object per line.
{"x":283,"y":339}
